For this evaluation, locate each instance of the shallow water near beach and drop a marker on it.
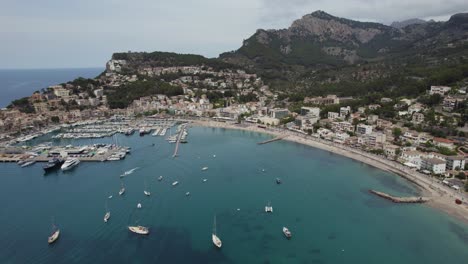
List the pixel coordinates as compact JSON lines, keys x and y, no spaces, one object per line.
{"x":323,"y":200}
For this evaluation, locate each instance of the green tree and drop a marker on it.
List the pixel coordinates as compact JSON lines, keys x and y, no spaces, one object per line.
{"x":396,"y":132}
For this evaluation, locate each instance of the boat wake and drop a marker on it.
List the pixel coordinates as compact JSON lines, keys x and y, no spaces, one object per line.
{"x":129,"y":172}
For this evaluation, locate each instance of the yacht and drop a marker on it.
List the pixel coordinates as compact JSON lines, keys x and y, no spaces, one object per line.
{"x":53,"y":164}
{"x":175,"y":183}
{"x":141,"y":230}
{"x":139,"y":205}
{"x":286,"y":232}
{"x":70,"y":163}
{"x":216,"y":241}
{"x":269,"y":208}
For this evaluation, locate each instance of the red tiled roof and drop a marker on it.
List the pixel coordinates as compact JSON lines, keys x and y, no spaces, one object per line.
{"x":442,"y":140}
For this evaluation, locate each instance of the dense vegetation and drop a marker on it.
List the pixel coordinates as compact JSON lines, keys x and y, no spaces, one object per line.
{"x":23,"y":105}
{"x":124,"y":95}
{"x":168,"y":59}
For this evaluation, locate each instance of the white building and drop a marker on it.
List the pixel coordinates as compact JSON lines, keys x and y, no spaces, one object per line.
{"x":344,"y":111}
{"x":439,"y":90}
{"x":363,"y":129}
{"x":279,"y":113}
{"x":333,"y":115}
{"x":311,"y":111}
{"x":455,"y":162}
{"x":437,"y":166}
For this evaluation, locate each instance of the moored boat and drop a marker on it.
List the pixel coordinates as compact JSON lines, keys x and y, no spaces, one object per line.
{"x":53,"y":164}
{"x":122,"y":189}
{"x":286,"y":232}
{"x":214,"y":237}
{"x":141,"y":230}
{"x":55,"y":233}
{"x":70,"y":163}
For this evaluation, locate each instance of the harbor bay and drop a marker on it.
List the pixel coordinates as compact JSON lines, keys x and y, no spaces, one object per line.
{"x":323,"y":200}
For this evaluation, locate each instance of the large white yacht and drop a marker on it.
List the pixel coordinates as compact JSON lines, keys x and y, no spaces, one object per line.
{"x":70,"y":163}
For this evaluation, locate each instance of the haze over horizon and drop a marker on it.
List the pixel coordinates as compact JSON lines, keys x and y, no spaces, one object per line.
{"x":64,"y":34}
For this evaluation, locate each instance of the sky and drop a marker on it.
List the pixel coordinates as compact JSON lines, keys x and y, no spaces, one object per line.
{"x":85,"y":33}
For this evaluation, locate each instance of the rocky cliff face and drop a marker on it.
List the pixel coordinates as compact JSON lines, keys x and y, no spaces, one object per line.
{"x":319,"y":39}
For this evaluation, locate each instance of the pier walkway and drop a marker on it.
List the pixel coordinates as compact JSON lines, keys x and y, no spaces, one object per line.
{"x":176,"y":150}
{"x":394,"y":199}
{"x":272,"y":140}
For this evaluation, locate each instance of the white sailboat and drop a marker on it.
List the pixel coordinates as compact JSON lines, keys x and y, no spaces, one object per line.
{"x":55,"y":233}
{"x":216,"y":241}
{"x":122,"y":189}
{"x":141,"y":230}
{"x":107,"y":215}
{"x":147,"y":193}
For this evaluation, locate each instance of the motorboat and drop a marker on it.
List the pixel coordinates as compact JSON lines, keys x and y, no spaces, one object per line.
{"x":160,"y":178}
{"x":286,"y":232}
{"x":175,"y":183}
{"x":204,"y":168}
{"x":269,"y":208}
{"x":106,"y":217}
{"x":141,"y":230}
{"x":70,"y":163}
{"x":139,"y":205}
{"x":278,"y":181}
{"x":53,"y":164}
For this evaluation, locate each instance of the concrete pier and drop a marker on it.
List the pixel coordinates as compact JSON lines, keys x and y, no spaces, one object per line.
{"x":394,"y":199}
{"x":272,"y":140}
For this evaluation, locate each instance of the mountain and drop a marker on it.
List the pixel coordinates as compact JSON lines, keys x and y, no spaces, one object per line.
{"x":320,"y":49}
{"x":404,"y":23}
{"x":320,"y":40}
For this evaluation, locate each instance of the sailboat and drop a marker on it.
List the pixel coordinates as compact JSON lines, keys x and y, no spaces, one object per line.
{"x":107,"y":215}
{"x":216,"y":241}
{"x":147,"y":193}
{"x":122,"y":189}
{"x":138,"y":229}
{"x":55,"y":233}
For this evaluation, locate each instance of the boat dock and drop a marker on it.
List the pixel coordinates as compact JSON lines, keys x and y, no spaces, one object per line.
{"x":272,"y":140}
{"x":394,"y":199}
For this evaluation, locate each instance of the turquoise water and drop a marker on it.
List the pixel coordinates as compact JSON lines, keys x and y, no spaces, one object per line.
{"x":323,"y":200}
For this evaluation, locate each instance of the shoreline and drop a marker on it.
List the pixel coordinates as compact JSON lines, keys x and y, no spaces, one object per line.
{"x":441,"y":197}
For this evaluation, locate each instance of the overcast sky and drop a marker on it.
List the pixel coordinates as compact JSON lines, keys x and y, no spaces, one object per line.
{"x":85,"y":33}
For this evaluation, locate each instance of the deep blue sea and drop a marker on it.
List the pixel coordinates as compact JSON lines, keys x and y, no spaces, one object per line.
{"x":15,"y":84}
{"x":323,"y":199}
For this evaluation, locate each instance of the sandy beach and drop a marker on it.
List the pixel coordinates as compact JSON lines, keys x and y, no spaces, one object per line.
{"x":441,"y":196}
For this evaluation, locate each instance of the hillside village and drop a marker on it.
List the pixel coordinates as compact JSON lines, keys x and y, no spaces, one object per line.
{"x":425,"y":133}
